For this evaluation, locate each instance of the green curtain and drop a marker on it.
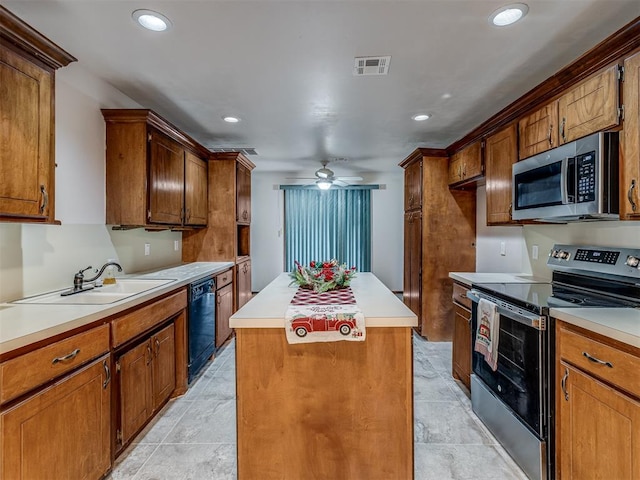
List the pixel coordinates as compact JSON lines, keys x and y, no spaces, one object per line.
{"x":322,"y":225}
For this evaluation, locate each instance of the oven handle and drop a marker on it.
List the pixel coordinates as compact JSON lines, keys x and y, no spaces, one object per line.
{"x":539,"y":322}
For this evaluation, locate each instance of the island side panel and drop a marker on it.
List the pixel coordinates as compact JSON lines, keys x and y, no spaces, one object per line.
{"x":339,"y":410}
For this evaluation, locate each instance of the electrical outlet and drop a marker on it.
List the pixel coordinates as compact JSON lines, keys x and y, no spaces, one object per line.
{"x":534,"y":252}
{"x":147,"y":249}
{"x":503,"y":248}
{"x":176,"y":245}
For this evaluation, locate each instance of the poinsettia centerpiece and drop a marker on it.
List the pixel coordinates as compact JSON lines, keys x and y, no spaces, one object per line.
{"x":322,"y":276}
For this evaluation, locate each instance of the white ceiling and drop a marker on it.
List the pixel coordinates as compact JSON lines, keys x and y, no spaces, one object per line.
{"x":285,"y":68}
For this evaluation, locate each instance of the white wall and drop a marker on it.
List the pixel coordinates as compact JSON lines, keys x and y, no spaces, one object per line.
{"x":267,"y":235}
{"x":38,"y":258}
{"x":520,"y":240}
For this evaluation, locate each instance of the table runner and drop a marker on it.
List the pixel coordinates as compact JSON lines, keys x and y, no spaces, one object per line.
{"x":324,"y":317}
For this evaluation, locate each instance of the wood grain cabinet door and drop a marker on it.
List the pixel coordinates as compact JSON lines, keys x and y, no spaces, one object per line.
{"x":163,"y":367}
{"x":413,"y":186}
{"x":243,"y":193}
{"x":538,"y":131}
{"x":135,"y":389}
{"x":501,"y":152}
{"x":598,"y":429}
{"x":224,"y":310}
{"x":412,"y":290}
{"x":243,"y":283}
{"x":26,"y":162}
{"x":61,"y":432}
{"x":461,"y":358}
{"x":166,"y":180}
{"x":195,"y":190}
{"x":455,"y":169}
{"x":630,"y":161}
{"x":589,"y":107}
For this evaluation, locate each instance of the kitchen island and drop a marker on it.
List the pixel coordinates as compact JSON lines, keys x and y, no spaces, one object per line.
{"x":337,"y":410}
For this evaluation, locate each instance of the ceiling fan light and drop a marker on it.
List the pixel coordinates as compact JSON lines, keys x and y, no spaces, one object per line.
{"x":324,"y":184}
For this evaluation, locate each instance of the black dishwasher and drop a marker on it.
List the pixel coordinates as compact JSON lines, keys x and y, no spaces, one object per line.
{"x":202,"y":324}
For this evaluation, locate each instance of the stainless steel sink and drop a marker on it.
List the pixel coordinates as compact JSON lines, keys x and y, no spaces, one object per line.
{"x":124,"y":288}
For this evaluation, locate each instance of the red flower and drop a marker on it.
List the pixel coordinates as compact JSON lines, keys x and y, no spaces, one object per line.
{"x":312,"y":264}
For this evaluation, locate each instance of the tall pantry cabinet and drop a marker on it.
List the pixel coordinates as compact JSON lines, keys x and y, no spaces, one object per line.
{"x":439,"y":237}
{"x":227,"y":237}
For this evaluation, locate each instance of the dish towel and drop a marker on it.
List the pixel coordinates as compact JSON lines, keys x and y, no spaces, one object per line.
{"x":324,"y":317}
{"x":488,"y":332}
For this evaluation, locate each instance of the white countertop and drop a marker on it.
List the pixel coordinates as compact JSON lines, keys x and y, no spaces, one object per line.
{"x":381,"y":308}
{"x":468,"y":278}
{"x":23,"y":324}
{"x":621,"y":324}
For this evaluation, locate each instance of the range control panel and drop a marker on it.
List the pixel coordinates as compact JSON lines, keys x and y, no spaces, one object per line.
{"x":613,"y":261}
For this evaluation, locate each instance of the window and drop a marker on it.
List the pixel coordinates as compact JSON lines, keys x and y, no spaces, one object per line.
{"x":321,"y":225}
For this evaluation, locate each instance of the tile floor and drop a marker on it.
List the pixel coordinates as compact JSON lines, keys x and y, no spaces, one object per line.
{"x":194,"y":437}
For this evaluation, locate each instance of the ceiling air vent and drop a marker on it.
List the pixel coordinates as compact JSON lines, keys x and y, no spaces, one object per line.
{"x":371,"y":65}
{"x":244,"y":151}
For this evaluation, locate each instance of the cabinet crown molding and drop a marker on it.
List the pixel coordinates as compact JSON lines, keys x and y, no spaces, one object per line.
{"x":420,"y":152}
{"x":16,"y":32}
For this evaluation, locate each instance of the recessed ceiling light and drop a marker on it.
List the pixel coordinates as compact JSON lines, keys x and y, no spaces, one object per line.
{"x":231,"y":119}
{"x":152,"y":20}
{"x":508,"y":14}
{"x":421,"y":117}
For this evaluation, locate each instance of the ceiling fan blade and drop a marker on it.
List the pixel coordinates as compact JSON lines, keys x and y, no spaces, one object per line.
{"x":340,"y":183}
{"x":349,"y":179}
{"x":300,"y":178}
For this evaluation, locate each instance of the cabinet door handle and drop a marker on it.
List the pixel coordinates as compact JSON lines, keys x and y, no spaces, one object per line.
{"x":597,"y":360}
{"x":69,"y":356}
{"x":464,"y":171}
{"x":630,"y":195}
{"x":107,"y":372}
{"x":564,"y":121}
{"x":550,"y":137}
{"x":45,"y":199}
{"x":149,"y":353}
{"x":563,"y":384}
{"x":157,"y":347}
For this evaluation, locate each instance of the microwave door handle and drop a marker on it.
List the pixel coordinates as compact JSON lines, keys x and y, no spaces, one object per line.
{"x":564,"y":170}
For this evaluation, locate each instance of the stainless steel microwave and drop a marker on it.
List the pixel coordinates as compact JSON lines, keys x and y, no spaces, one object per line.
{"x":576,"y":181}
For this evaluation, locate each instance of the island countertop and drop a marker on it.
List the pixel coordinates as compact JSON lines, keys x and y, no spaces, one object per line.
{"x":380,"y":306}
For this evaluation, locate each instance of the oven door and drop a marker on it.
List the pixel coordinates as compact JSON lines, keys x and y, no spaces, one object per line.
{"x":519,"y":378}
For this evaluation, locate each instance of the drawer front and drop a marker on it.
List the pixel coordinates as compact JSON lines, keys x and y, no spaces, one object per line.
{"x":223,"y":279}
{"x":28,"y":371}
{"x":460,"y":295}
{"x":135,"y":323}
{"x":622,"y":368}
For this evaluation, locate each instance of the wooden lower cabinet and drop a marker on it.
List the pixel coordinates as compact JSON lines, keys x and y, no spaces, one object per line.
{"x":146,"y":380}
{"x":63,"y":431}
{"x":412,"y":292}
{"x":224,"y":310}
{"x":243,"y":283}
{"x":461,"y":361}
{"x":597,"y":407}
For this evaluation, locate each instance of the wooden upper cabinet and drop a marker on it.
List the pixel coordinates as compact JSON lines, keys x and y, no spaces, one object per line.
{"x":630,"y":161}
{"x":166,"y":180}
{"x":465,"y":166}
{"x":243,"y":194}
{"x":589,"y":107}
{"x":413,"y":186}
{"x":501,"y":152}
{"x":27,"y":158}
{"x":195,"y":193}
{"x":154,"y":176}
{"x":538,"y":131}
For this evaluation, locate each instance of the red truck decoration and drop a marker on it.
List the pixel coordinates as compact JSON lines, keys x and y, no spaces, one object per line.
{"x":344,"y":324}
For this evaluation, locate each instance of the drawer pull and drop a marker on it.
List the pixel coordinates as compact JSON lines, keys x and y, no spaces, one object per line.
{"x":107,"y":372}
{"x":70,"y":356}
{"x":563,"y":384}
{"x":597,"y":360}
{"x":157,"y":347}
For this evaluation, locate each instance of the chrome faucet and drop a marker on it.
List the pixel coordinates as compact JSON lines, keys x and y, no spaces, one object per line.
{"x":79,"y":280}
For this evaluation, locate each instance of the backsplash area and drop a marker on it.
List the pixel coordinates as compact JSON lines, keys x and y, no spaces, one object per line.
{"x":40,"y":258}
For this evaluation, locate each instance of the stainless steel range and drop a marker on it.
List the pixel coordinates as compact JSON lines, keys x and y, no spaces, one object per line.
{"x":516,"y":400}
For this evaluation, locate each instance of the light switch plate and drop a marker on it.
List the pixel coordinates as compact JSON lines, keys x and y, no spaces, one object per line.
{"x":534,"y":252}
{"x":503,"y":248}
{"x":176,"y":245}
{"x":147,"y":249}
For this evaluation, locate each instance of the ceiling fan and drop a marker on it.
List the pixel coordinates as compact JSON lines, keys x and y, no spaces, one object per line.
{"x":325,"y":178}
